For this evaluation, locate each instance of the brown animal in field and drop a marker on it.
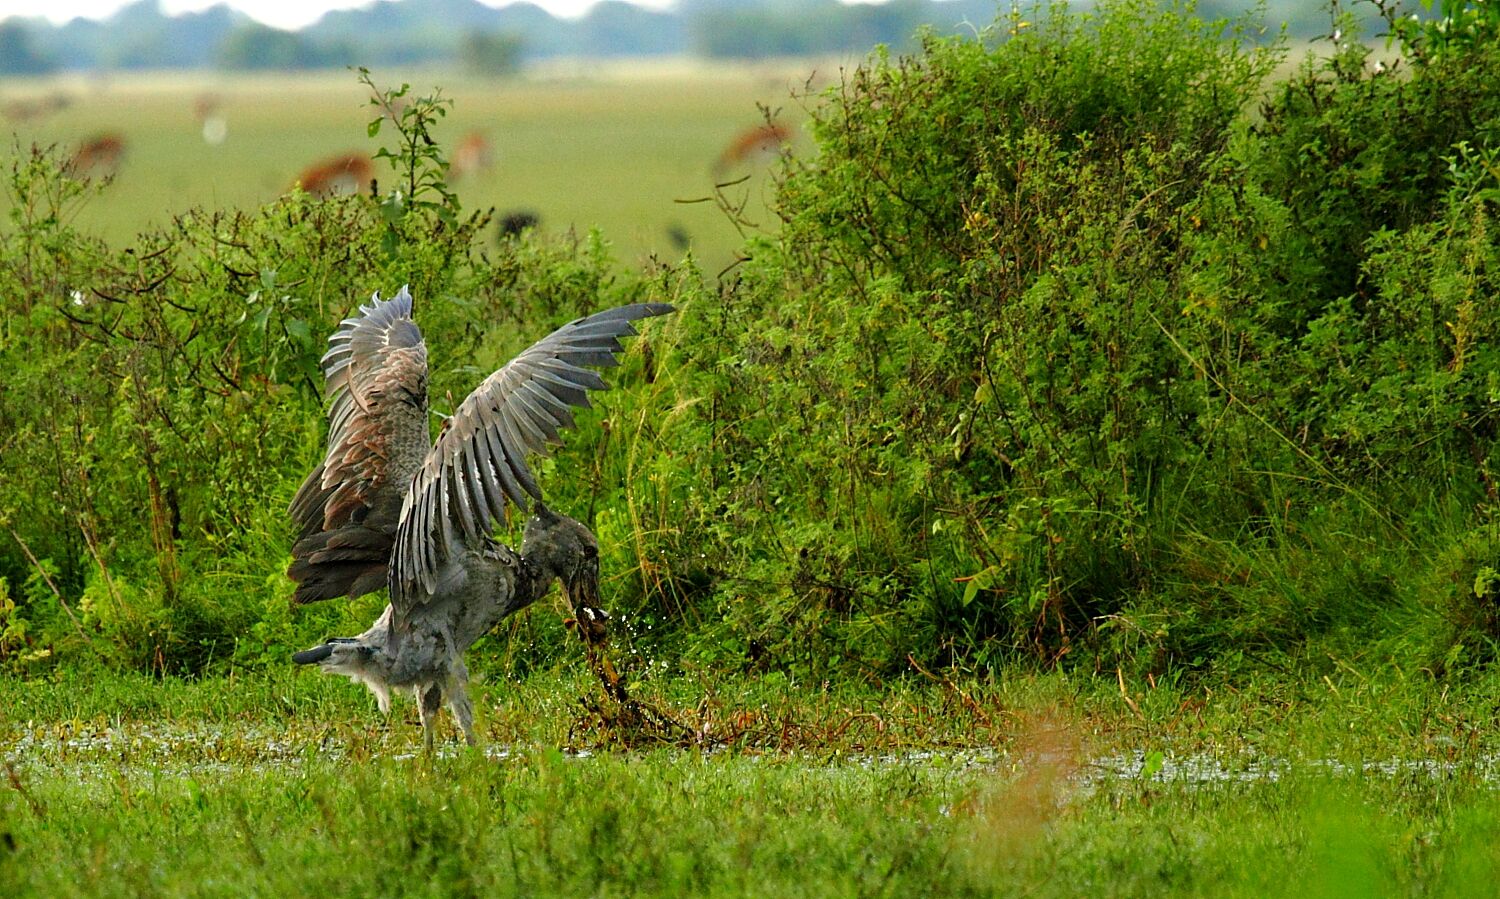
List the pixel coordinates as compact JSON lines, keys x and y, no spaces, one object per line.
{"x":97,"y":156}
{"x":472,"y":156}
{"x":753,"y":147}
{"x":206,"y":105}
{"x":211,"y":122}
{"x":24,"y":111}
{"x":347,"y":173}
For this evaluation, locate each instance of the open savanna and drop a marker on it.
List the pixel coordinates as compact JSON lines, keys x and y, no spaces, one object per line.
{"x":619,"y":148}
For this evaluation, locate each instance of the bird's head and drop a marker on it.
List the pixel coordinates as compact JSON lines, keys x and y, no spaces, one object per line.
{"x":338,"y":655}
{"x":564,"y":549}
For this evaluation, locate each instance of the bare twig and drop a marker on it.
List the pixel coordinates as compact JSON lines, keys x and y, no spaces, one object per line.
{"x":48,"y":578}
{"x":88,"y":540}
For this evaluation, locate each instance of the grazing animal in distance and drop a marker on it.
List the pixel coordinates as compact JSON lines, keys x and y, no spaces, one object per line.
{"x":23,"y":111}
{"x":389,"y":508}
{"x":471,"y":157}
{"x":347,"y":173}
{"x":208,"y":113}
{"x":205,"y":105}
{"x":99,"y":155}
{"x":513,"y":223}
{"x":753,"y":147}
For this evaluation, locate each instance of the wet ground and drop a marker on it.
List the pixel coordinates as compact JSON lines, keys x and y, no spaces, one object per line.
{"x":188,"y":750}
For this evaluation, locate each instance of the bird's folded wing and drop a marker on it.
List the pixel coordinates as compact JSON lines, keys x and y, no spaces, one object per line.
{"x":348,"y":508}
{"x":479,"y":462}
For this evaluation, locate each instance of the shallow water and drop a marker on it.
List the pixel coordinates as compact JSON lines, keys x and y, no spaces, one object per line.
{"x":1204,"y":769}
{"x":169,"y":748}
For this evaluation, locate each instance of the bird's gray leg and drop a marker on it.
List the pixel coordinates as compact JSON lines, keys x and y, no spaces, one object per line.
{"x":463,"y":710}
{"x":429,"y":702}
{"x":457,"y":689}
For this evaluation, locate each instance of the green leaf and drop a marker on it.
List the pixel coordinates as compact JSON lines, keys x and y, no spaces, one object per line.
{"x":374,"y":127}
{"x":299,"y":330}
{"x":1485,"y":580}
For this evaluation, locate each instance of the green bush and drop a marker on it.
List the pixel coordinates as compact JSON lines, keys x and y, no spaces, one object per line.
{"x":1352,"y":148}
{"x":1060,"y":350}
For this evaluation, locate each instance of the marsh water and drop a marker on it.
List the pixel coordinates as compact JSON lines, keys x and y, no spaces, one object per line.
{"x":172,"y":749}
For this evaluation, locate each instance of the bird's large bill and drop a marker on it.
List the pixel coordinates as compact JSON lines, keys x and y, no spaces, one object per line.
{"x":582,"y":594}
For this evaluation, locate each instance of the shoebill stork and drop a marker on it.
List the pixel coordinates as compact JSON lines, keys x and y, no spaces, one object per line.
{"x":389,"y":508}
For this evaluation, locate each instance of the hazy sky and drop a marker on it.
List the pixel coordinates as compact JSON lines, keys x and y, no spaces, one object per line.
{"x":280,"y":13}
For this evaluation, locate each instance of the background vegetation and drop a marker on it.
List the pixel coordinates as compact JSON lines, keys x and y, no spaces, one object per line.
{"x":401,"y":32}
{"x":1080,"y":344}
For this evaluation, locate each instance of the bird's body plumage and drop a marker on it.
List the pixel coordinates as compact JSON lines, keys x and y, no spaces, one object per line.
{"x":388,"y":508}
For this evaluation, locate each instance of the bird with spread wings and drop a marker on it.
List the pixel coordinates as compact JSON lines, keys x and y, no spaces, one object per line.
{"x":389,"y":508}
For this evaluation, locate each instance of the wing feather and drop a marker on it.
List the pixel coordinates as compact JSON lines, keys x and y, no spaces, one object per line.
{"x":480,"y":458}
{"x":505,"y":478}
{"x":348,"y":508}
{"x":514,"y":447}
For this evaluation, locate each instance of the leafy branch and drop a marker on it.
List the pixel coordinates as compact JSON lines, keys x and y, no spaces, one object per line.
{"x":417,"y":159}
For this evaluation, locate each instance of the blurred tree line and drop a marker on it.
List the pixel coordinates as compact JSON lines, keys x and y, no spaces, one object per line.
{"x":497,"y":41}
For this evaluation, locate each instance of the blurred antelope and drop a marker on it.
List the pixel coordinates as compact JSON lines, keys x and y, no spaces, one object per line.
{"x":513,"y":223}
{"x":206,"y":105}
{"x":99,"y":155}
{"x":211,"y":122}
{"x":753,"y":147}
{"x":472,"y":156}
{"x":348,"y":173}
{"x":34,"y":110}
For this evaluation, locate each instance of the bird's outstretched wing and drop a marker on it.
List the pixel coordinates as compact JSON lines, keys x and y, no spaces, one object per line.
{"x":348,"y":508}
{"x":479,"y":462}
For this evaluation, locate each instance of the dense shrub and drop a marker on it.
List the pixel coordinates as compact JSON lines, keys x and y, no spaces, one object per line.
{"x":966,"y":391}
{"x":1351,"y":147}
{"x":1060,"y":347}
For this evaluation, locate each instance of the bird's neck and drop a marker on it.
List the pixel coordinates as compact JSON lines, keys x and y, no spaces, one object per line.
{"x":513,"y":583}
{"x":533,"y":583}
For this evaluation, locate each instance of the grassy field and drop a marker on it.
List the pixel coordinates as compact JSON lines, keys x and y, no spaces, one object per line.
{"x":290,"y":783}
{"x":616,"y":150}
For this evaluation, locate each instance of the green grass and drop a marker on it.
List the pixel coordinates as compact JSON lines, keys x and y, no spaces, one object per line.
{"x":291,"y":784}
{"x":616,"y":152}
